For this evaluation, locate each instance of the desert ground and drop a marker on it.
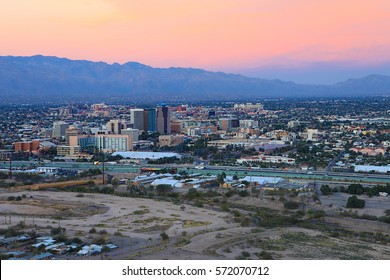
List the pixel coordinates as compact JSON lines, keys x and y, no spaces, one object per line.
{"x":207,"y":232}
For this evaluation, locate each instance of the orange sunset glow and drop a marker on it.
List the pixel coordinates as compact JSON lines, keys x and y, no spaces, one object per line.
{"x":215,"y":35}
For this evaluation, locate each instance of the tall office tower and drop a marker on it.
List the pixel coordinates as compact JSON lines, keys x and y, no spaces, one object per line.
{"x":137,"y":118}
{"x":163,"y":120}
{"x":59,"y":129}
{"x":150,"y":119}
{"x":116,"y":126}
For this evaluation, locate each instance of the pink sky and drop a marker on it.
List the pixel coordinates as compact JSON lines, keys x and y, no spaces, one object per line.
{"x":210,"y":34}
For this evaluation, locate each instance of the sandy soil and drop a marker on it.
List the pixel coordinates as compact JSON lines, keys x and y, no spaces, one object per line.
{"x":135,"y":225}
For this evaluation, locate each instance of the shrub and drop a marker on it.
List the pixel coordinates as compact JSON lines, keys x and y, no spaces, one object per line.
{"x":107,"y":190}
{"x":225,"y":207}
{"x":198,"y":204}
{"x":163,"y":189}
{"x":193,"y":193}
{"x":264,"y":255}
{"x":354,"y":202}
{"x":91,"y":184}
{"x":315,"y":214}
{"x":355,"y":189}
{"x":243,"y":193}
{"x":77,"y":240}
{"x":227,"y":250}
{"x":100,"y":240}
{"x":230,"y":193}
{"x":325,"y":190}
{"x":236,"y":214}
{"x":385,"y":219}
{"x":164,"y":235}
{"x":55,"y":231}
{"x":291,"y":205}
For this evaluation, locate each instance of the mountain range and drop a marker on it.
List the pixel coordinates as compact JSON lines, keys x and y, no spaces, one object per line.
{"x":41,"y":79}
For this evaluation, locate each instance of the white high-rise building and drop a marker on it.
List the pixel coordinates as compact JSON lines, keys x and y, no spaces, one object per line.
{"x":59,"y":129}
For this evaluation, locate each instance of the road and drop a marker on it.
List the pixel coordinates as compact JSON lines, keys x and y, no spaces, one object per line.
{"x":214,"y":170}
{"x":333,"y":161}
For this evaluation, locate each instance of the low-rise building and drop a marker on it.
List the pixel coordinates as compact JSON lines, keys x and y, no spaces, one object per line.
{"x":266,"y":158}
{"x":170,"y":140}
{"x":372,"y":168}
{"x":68,"y":150}
{"x":146,"y":155}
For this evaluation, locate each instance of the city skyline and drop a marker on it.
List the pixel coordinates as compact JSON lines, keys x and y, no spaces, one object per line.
{"x":321,"y":42}
{"x":194,"y":138}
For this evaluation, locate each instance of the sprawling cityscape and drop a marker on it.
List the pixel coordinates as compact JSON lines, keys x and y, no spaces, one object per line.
{"x":180,"y":139}
{"x":275,"y":179}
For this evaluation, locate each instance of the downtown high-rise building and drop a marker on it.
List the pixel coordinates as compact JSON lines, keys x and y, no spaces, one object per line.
{"x":116,"y":126}
{"x":150,"y":120}
{"x":71,"y":131}
{"x":59,"y":129}
{"x":163,"y":120}
{"x":106,"y":142}
{"x":137,"y":118}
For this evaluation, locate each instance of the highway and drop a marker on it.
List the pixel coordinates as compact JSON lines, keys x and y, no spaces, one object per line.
{"x":213,"y":170}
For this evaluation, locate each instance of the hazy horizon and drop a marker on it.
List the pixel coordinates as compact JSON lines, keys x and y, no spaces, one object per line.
{"x":309,"y":74}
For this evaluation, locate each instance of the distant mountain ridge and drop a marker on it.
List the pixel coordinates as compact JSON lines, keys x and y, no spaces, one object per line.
{"x":38,"y":79}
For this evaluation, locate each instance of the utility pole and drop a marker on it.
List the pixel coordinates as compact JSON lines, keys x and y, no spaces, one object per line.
{"x":250,"y":181}
{"x":98,"y":150}
{"x":10,"y":166}
{"x":103,"y":171}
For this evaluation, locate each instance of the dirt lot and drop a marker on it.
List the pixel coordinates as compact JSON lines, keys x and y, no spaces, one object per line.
{"x":135,"y":225}
{"x":375,"y":205}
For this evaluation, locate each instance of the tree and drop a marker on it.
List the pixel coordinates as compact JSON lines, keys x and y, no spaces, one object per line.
{"x":221,"y":178}
{"x":354,"y":202}
{"x":105,"y":250}
{"x":355,"y":189}
{"x":326,"y":190}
